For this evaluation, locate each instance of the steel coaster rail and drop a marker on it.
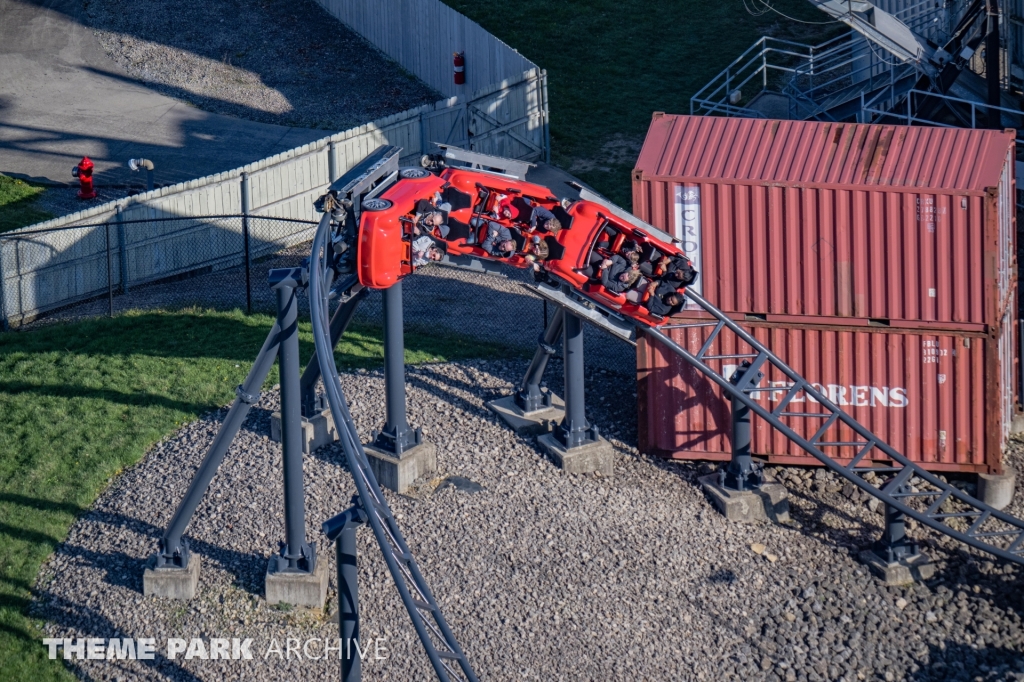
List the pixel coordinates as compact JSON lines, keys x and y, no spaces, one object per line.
{"x":1006,"y":542}
{"x":440,"y":644}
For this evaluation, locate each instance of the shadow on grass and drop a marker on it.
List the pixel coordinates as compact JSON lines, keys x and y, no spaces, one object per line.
{"x":105,"y":394}
{"x":20,"y":213}
{"x":42,"y":505}
{"x":195,"y":334}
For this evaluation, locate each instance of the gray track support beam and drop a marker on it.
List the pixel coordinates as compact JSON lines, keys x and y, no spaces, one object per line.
{"x":398,"y":454}
{"x":297,"y":556}
{"x":529,"y":397}
{"x":531,"y":410}
{"x":575,"y":444}
{"x":397,"y":436}
{"x":342,"y":529}
{"x":173,"y":554}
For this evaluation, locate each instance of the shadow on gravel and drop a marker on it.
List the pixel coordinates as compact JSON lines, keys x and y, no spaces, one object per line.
{"x":955,"y":662}
{"x":812,"y":523}
{"x":436,"y":387}
{"x":90,"y":623}
{"x":280,"y":50}
{"x":126,"y":571}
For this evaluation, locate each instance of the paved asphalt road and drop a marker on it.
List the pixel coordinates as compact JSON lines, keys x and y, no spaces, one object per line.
{"x":61,"y":98}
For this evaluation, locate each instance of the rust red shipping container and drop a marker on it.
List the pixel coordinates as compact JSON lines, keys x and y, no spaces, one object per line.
{"x":790,"y":220}
{"x":942,"y":399}
{"x":815,"y":233}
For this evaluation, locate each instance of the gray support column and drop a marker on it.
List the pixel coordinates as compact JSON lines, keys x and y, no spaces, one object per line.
{"x":396,"y":436}
{"x":739,"y":489}
{"x":529,"y":397}
{"x":575,"y":444}
{"x":342,"y":528}
{"x":296,"y":556}
{"x":398,"y":454}
{"x":740,"y":469}
{"x":574,"y":430}
{"x":174,"y":551}
{"x":742,"y":473}
{"x":894,"y":557}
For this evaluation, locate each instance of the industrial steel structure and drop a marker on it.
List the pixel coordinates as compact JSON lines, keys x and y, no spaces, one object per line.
{"x":958,"y":64}
{"x":909,"y":490}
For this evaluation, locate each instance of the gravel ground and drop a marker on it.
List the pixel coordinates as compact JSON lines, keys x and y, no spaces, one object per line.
{"x":272,"y":61}
{"x":542,"y":574}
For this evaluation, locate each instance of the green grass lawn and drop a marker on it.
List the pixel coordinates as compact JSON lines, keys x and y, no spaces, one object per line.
{"x":17,"y":204}
{"x":80,"y":402}
{"x":611,"y":63}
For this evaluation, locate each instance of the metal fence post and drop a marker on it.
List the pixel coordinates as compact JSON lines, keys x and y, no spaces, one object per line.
{"x":547,"y":119}
{"x":122,"y":246}
{"x":245,"y":243}
{"x":110,"y":273}
{"x":333,"y":169}
{"x":4,"y":325}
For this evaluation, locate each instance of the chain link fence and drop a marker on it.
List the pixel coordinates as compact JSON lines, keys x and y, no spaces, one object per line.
{"x":223,"y":263}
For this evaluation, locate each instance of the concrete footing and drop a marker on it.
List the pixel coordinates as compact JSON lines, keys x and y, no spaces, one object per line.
{"x":316,"y":432}
{"x":914,"y":569}
{"x":597,"y":456}
{"x":767,"y":503}
{"x":528,"y":423}
{"x":996,"y":490}
{"x":297,"y":589}
{"x":171,"y":583}
{"x":398,"y":473}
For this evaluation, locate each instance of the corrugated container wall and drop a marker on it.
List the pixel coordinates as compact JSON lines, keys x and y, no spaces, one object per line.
{"x":941,"y":399}
{"x":795,"y":220}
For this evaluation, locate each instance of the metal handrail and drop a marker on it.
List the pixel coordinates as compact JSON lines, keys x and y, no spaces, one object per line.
{"x":814,"y":62}
{"x":910,"y":115}
{"x":753,"y":62}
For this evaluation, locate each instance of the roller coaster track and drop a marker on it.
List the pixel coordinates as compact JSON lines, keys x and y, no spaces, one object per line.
{"x":444,"y":652}
{"x":909,"y":488}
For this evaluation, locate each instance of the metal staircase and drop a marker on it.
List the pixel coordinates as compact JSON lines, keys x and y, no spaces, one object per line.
{"x":781,"y":79}
{"x":833,"y":86}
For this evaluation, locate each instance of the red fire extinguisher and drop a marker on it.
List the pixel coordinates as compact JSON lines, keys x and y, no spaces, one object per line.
{"x":83,"y":171}
{"x":460,"y":68}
